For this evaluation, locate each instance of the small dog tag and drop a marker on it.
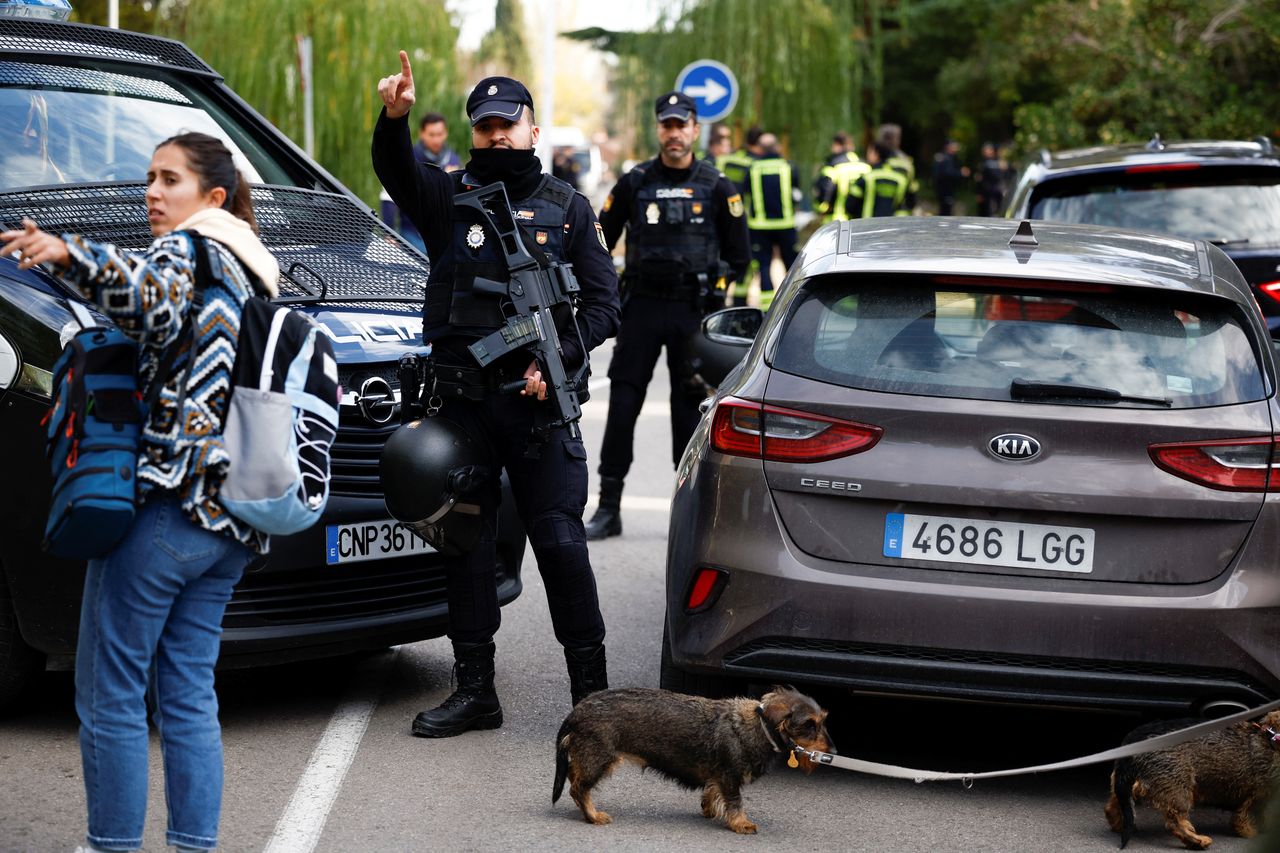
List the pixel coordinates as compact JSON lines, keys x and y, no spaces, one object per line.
{"x":791,"y":761}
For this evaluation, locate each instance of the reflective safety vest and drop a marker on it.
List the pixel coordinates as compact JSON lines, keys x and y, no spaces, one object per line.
{"x":843,"y":175}
{"x":904,"y":165}
{"x":735,"y":166}
{"x":877,"y":192}
{"x":775,"y":172}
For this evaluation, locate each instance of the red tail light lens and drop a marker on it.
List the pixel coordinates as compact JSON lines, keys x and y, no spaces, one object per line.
{"x":1272,"y":289}
{"x":744,"y":428}
{"x":707,"y":582}
{"x":1161,"y":167}
{"x":1232,"y":465}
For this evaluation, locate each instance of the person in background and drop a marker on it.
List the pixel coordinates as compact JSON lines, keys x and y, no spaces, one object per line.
{"x":889,"y":138}
{"x":947,"y":174}
{"x":990,"y":182}
{"x":432,"y":148}
{"x":152,"y":610}
{"x":774,"y":191}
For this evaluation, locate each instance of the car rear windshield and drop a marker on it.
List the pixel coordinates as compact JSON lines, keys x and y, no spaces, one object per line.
{"x":62,"y":125}
{"x":1090,"y":345}
{"x":1229,"y":206}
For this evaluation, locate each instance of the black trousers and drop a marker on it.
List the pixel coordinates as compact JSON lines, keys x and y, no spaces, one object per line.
{"x":762,"y":243}
{"x":648,"y":324}
{"x":550,"y":494}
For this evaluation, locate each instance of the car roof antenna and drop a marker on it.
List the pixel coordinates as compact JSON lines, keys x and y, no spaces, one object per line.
{"x":1264,"y":142}
{"x":1156,"y":143}
{"x":1025,"y":237}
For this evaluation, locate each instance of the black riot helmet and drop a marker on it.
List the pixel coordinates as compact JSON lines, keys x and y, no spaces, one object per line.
{"x":432,"y":475}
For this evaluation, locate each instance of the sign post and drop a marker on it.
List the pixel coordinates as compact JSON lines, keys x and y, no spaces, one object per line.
{"x":712,"y":86}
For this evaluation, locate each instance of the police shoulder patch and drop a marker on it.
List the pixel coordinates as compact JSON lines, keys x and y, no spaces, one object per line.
{"x":608,"y":203}
{"x":735,"y":205}
{"x":600,"y":236}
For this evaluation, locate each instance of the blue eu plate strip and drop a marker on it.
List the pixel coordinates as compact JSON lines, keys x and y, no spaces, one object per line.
{"x":331,"y":544}
{"x":893,"y":525}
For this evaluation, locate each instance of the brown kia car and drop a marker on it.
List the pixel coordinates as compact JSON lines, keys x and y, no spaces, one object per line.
{"x":986,"y":460}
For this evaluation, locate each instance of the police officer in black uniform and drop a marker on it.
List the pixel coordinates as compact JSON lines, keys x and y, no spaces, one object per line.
{"x":686,"y":231}
{"x":548,"y":476}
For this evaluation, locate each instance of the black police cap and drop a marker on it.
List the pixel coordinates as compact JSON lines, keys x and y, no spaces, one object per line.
{"x":675,"y":105}
{"x":498,"y":96}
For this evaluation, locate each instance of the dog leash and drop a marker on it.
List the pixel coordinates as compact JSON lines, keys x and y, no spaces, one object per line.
{"x":1150,"y":745}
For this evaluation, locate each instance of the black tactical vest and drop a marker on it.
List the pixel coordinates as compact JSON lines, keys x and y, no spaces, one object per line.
{"x":476,"y":253}
{"x":671,"y":236}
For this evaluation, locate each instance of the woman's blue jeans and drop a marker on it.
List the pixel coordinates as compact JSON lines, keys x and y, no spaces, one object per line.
{"x":150,"y":625}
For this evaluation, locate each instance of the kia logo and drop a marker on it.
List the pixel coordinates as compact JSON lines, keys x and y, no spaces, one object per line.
{"x":1014,"y":446}
{"x":376,"y":401}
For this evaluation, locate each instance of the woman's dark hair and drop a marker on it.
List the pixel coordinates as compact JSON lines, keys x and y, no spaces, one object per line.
{"x":212,"y":163}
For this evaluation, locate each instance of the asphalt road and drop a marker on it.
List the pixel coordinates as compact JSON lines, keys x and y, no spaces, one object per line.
{"x":319,"y":756}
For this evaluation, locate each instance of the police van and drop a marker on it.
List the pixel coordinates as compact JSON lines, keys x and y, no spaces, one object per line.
{"x":81,"y":109}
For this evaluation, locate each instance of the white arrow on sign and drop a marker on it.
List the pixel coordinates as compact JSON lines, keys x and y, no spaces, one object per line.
{"x":710,"y":92}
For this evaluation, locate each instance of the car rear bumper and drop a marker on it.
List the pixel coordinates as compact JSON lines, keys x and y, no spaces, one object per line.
{"x":785,"y":616}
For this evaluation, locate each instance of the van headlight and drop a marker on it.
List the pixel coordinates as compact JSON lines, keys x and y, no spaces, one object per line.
{"x":22,"y":377}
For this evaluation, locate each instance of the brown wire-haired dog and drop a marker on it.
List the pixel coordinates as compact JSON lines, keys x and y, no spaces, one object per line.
{"x":1232,"y":768}
{"x":713,"y":744}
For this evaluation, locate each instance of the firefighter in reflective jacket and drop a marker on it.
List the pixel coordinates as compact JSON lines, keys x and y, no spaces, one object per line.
{"x":686,"y":231}
{"x":773,"y":186}
{"x":842,"y":176}
{"x":880,"y":191}
{"x":889,"y":138}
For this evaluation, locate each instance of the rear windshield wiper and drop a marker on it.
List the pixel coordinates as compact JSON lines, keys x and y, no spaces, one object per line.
{"x":1023,"y":389}
{"x":1228,"y":241}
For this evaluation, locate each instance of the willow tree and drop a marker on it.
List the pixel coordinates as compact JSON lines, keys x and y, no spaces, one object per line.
{"x":252,"y":44}
{"x":805,"y":69}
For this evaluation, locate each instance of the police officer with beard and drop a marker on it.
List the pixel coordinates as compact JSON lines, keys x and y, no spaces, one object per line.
{"x":549,"y":475}
{"x":686,"y":231}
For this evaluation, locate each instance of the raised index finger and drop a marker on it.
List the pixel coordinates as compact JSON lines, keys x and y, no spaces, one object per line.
{"x":404,"y":65}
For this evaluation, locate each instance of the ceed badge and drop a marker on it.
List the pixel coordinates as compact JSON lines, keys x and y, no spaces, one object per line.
{"x":475,"y":237}
{"x":651,"y":213}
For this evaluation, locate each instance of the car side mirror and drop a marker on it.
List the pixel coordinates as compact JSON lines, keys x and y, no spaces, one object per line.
{"x":733,"y":326}
{"x":721,"y":343}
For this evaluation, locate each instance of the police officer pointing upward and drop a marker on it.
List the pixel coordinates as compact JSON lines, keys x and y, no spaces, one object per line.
{"x":686,"y":231}
{"x":548,"y":473}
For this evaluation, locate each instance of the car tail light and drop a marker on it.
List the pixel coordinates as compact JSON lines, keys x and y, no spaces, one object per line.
{"x":744,"y":428}
{"x":1161,"y":167}
{"x":1033,"y":308}
{"x":1272,"y":289}
{"x":706,"y":588}
{"x":1232,"y":464}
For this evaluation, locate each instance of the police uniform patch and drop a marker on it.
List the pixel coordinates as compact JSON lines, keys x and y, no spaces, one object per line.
{"x":540,"y":237}
{"x":475,"y":236}
{"x":735,"y":205}
{"x":493,"y":90}
{"x":651,"y":213}
{"x":697,"y":208}
{"x":608,"y":203}
{"x":600,"y":236}
{"x":525,"y":215}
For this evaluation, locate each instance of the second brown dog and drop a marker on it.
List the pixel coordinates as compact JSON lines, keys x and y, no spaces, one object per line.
{"x":717,"y":745}
{"x":1232,"y":768}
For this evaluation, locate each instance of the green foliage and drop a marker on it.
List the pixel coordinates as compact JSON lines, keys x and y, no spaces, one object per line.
{"x":503,"y":49}
{"x":136,"y":15}
{"x":251,"y":43}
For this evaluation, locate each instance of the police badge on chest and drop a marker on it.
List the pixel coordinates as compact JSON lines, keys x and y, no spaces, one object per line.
{"x":475,"y":237}
{"x":652,"y":214}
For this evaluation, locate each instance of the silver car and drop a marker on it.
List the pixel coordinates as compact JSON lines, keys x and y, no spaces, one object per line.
{"x":987,"y":460}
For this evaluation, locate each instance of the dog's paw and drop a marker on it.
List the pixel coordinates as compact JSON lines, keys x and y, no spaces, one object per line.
{"x":742,"y":826}
{"x":600,"y":818}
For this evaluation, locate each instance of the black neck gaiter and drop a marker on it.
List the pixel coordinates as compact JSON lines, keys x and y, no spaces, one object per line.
{"x":519,"y":169}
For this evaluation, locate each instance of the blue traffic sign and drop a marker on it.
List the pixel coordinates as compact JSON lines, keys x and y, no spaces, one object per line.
{"x":712,"y":86}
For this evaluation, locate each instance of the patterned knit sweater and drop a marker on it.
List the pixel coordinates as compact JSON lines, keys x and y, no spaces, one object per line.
{"x":148,"y":295}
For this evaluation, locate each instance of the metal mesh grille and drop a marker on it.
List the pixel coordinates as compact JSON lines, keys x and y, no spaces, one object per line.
{"x":322,"y":240}
{"x":86,"y":79}
{"x":45,"y":37}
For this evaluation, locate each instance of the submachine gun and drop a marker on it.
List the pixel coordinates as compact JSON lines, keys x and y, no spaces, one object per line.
{"x":533,"y":290}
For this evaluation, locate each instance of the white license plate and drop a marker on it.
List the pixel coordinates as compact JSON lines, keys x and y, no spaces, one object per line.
{"x":371,"y":540}
{"x":988,"y":543}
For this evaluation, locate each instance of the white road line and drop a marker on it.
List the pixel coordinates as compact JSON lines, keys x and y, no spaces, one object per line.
{"x":299,"y":828}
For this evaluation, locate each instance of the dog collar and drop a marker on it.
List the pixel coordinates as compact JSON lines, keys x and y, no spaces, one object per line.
{"x":1270,"y":733}
{"x":795,"y":749}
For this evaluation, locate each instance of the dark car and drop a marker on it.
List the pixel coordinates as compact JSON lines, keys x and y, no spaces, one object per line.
{"x":81,"y":109}
{"x":972,"y":459}
{"x":1226,"y":193}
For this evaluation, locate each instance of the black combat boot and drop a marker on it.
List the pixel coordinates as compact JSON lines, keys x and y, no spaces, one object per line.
{"x":608,"y":518}
{"x":474,"y":705}
{"x":586,"y":670}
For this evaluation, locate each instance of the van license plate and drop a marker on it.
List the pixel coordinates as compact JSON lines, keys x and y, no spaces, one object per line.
{"x":371,"y":540}
{"x":988,"y":543}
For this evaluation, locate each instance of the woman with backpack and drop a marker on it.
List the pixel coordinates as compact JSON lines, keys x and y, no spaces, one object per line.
{"x":151,"y":618}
